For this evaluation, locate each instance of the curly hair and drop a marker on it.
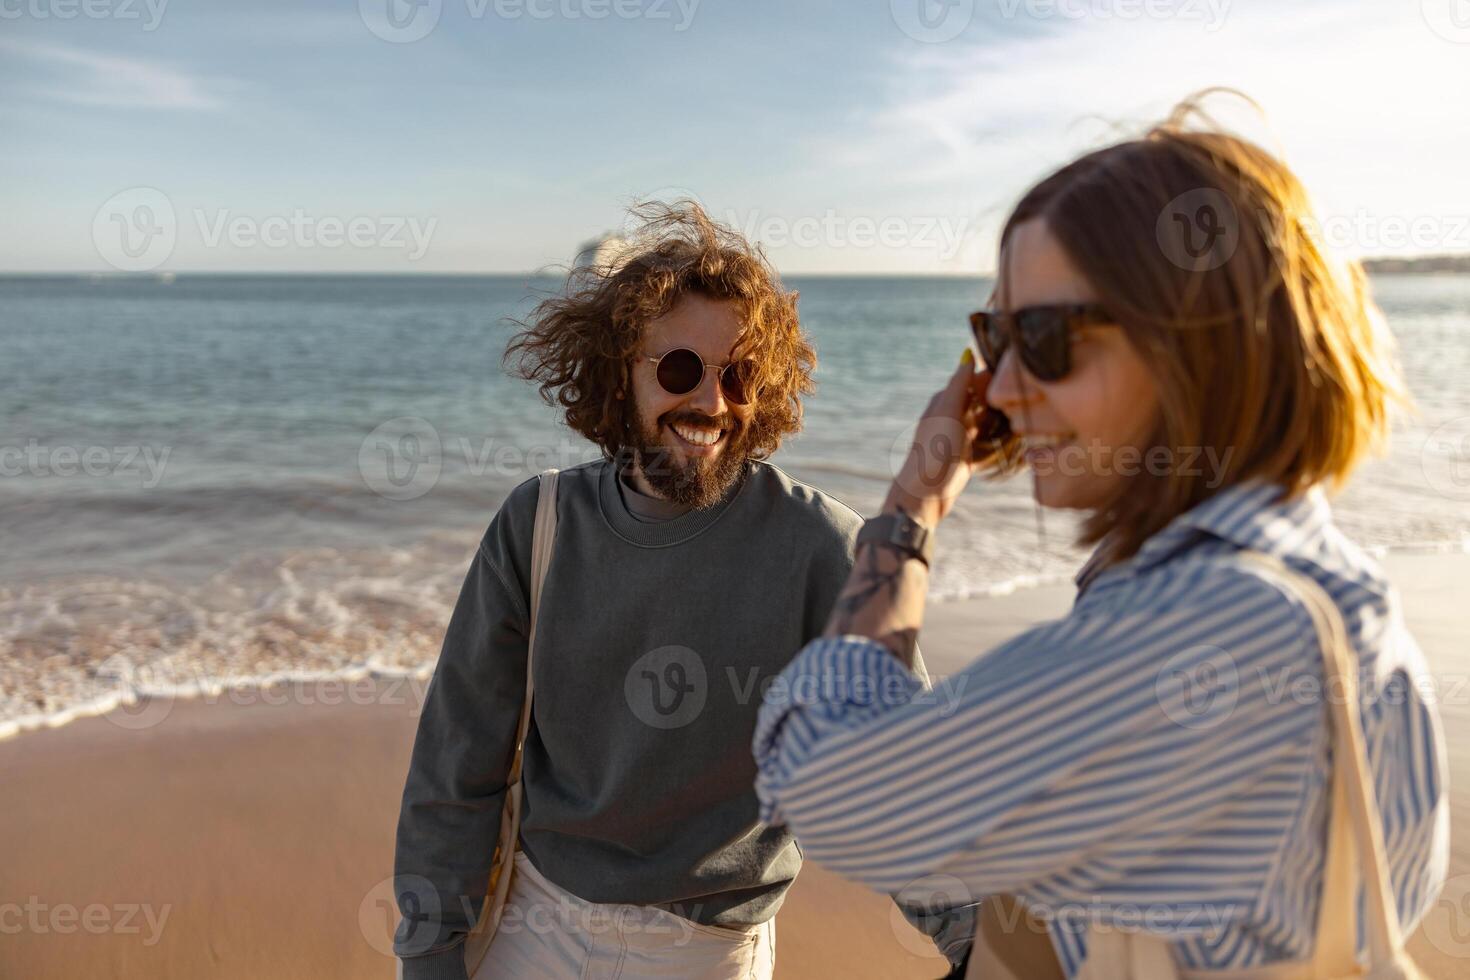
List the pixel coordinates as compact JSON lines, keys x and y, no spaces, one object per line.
{"x":578,"y":347}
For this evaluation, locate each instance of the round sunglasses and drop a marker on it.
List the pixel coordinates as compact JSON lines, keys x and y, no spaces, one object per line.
{"x":1042,"y":334}
{"x":680,"y":371}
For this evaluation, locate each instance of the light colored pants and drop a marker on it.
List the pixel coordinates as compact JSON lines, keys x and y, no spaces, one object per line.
{"x":547,"y":933}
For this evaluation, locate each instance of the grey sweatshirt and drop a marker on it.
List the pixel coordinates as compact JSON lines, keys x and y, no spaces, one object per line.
{"x":654,"y":643}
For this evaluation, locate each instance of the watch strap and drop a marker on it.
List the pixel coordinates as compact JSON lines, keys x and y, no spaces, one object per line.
{"x":901,"y":532}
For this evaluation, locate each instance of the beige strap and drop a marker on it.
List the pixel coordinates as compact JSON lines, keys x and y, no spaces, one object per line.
{"x":543,"y":540}
{"x":1354,"y":840}
{"x":1337,"y":922}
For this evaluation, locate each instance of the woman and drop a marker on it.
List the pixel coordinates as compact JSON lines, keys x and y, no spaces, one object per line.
{"x":1160,"y":757}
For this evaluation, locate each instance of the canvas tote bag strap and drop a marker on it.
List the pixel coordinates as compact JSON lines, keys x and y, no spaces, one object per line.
{"x":543,"y":539}
{"x":1354,"y":837}
{"x":1361,"y":829}
{"x":542,"y":542}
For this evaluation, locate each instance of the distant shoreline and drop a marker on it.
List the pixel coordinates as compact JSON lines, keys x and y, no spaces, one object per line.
{"x":549,"y":275}
{"x":1418,"y":265}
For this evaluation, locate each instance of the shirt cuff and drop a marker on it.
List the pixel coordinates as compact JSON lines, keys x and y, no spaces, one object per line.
{"x":835,"y":684}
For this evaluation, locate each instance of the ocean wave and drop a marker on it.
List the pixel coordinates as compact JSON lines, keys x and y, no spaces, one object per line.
{"x":321,"y":498}
{"x":142,"y":705}
{"x":837,"y":469}
{"x":997,"y":590}
{"x":128,"y":648}
{"x":1449,"y":546}
{"x":83,"y":646}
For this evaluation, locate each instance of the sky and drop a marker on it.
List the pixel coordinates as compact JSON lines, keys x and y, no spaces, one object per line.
{"x":485,"y":136}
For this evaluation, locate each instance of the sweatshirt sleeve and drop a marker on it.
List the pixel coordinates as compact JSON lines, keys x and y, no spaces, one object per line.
{"x":456,"y":784}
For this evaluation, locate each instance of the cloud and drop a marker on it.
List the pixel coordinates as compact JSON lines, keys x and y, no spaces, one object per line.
{"x":996,"y":111}
{"x":87,"y":78}
{"x":1355,"y":95}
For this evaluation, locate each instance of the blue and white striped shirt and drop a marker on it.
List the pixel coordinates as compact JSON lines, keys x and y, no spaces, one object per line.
{"x":1158,"y":757}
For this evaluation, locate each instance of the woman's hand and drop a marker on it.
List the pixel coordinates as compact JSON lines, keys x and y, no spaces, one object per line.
{"x":939,"y":462}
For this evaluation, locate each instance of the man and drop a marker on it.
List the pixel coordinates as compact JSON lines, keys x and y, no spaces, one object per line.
{"x":686,"y":570}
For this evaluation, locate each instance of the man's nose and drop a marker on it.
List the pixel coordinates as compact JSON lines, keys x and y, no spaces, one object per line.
{"x":708,"y":397}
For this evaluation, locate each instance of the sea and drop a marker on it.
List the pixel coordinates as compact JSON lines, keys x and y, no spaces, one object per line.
{"x":212,"y":482}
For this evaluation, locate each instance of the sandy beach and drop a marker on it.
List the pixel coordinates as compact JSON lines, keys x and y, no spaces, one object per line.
{"x":253,"y":836}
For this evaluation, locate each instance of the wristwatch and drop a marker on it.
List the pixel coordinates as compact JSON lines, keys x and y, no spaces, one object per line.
{"x":899,"y":531}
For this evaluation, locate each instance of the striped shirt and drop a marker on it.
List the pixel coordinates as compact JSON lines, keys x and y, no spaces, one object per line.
{"x":1158,"y":757}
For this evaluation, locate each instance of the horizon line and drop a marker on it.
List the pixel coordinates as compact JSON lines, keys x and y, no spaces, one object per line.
{"x":160,"y":274}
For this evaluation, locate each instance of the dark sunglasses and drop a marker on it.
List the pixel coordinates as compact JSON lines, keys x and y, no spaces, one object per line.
{"x":1043,"y":335}
{"x":680,"y":371}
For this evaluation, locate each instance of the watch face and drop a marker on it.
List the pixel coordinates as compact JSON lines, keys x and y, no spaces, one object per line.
{"x":901,"y":532}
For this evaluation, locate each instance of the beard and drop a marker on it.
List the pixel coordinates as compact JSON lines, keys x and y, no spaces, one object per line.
{"x":698,"y":482}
